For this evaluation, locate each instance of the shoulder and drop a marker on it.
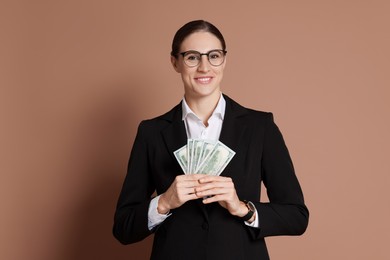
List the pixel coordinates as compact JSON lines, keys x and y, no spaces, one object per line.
{"x":247,"y":114}
{"x":160,"y":122}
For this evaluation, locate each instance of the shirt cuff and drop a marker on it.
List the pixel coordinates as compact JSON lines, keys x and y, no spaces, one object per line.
{"x":255,"y":223}
{"x":155,"y":218}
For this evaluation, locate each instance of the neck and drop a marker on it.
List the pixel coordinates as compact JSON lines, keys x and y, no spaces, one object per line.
{"x":203,"y":107}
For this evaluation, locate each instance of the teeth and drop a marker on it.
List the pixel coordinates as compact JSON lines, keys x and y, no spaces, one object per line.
{"x":204,"y":79}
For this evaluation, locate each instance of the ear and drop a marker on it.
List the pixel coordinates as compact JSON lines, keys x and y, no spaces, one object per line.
{"x":175,"y":64}
{"x":224,"y":62}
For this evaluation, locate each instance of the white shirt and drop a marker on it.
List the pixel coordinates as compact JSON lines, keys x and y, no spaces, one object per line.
{"x":195,"y":129}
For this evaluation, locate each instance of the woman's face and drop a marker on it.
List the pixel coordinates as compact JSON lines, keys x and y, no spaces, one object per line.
{"x":204,"y":79}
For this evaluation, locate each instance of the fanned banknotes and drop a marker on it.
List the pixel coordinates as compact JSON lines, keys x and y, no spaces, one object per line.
{"x":204,"y":157}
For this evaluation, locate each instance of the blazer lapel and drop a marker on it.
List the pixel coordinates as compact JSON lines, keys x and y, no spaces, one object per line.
{"x":175,"y":134}
{"x":233,"y":129}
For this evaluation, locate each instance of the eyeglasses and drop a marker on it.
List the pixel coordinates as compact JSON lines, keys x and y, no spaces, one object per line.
{"x":215,"y":57}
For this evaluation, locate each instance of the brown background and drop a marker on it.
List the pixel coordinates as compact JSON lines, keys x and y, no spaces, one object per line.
{"x":78,"y":76}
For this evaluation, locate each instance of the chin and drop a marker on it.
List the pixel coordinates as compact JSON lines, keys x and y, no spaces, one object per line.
{"x":206,"y":93}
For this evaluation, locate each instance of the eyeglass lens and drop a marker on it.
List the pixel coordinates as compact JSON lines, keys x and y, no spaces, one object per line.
{"x":215,"y":57}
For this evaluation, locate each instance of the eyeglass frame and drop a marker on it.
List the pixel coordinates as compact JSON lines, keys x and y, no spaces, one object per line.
{"x":201,"y":54}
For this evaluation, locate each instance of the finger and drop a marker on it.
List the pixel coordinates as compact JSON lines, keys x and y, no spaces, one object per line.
{"x":213,"y":185}
{"x":189,"y":177}
{"x":187,"y":184}
{"x":210,"y":178}
{"x":186,"y":191}
{"x":184,"y":195}
{"x":213,"y":192}
{"x":215,"y":198}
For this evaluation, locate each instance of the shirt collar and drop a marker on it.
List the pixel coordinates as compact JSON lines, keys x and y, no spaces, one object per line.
{"x":218,"y":111}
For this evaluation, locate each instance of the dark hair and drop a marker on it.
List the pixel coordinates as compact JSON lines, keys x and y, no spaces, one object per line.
{"x":192,"y":27}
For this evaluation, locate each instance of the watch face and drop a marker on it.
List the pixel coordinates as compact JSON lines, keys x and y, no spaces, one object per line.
{"x":251,"y":206}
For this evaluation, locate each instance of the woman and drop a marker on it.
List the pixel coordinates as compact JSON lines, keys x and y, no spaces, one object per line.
{"x":198,"y":216}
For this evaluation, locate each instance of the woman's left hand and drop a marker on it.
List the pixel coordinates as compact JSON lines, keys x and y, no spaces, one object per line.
{"x":221,"y":189}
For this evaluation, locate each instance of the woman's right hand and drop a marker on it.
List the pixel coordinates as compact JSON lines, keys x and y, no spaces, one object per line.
{"x":181,"y":190}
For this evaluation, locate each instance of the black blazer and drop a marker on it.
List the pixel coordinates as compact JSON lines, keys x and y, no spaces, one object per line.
{"x":198,"y":231}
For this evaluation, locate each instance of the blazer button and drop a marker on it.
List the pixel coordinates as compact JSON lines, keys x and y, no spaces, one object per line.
{"x":205,"y":226}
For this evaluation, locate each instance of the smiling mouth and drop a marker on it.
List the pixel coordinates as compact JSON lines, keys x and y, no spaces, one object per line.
{"x":204,"y":80}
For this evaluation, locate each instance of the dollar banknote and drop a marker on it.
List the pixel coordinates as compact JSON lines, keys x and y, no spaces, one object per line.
{"x":181,"y":157}
{"x":217,"y":160}
{"x":204,"y":157}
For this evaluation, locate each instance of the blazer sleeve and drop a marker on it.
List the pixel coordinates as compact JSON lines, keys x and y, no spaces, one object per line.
{"x":131,"y":216}
{"x":286,"y":213}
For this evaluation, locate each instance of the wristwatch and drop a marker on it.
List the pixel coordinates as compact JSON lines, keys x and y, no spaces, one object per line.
{"x":251,"y":211}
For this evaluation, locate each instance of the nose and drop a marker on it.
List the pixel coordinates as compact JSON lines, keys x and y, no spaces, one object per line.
{"x":204,"y":65}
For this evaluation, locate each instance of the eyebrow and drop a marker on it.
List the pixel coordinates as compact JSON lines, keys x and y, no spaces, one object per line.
{"x":202,"y":52}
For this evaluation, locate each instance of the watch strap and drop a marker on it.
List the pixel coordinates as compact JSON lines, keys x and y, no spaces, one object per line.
{"x":250,"y":213}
